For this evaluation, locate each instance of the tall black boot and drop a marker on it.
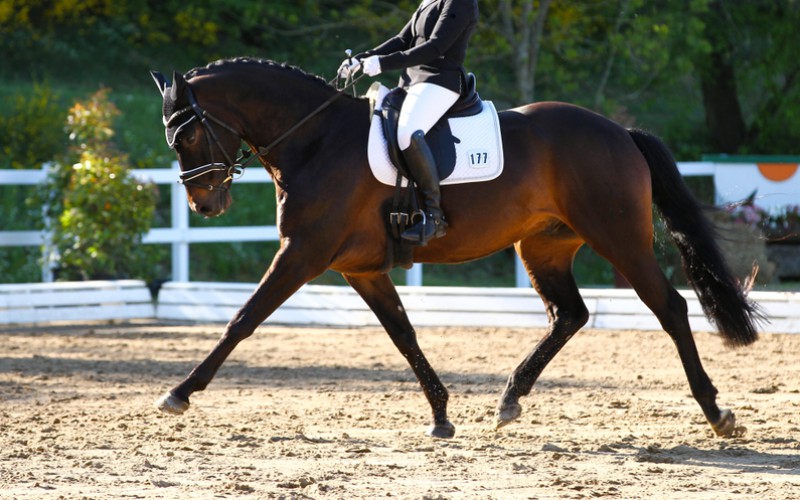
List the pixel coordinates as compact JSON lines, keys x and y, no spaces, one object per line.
{"x":422,"y":167}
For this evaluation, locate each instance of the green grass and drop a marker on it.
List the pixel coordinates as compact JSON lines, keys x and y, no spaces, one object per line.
{"x":496,"y":270}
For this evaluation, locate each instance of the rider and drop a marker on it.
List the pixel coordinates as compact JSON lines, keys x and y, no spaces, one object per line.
{"x":430,"y":50}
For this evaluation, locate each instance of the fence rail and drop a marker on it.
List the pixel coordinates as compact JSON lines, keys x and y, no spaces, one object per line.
{"x":341,"y":306}
{"x":180,"y":235}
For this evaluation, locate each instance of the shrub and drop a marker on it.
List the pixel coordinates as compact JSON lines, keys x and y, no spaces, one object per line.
{"x":777,"y":226}
{"x":96,"y":210}
{"x":32,"y":132}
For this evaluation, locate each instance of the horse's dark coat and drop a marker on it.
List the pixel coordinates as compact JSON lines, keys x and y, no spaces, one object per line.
{"x":572,"y":177}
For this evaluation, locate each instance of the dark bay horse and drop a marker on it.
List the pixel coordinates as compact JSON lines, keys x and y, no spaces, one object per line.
{"x":572,"y":177}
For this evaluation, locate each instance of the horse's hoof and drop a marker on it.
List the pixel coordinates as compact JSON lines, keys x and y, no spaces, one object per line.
{"x":507,"y":414}
{"x":726,"y":425}
{"x":444,"y":431}
{"x":170,"y":403}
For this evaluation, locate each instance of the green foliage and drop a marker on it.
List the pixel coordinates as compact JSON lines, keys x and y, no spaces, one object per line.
{"x":495,"y":270}
{"x":590,"y":269}
{"x":636,"y":61}
{"x":31,"y":129}
{"x":244,"y":262}
{"x":780,"y":226}
{"x":31,"y":133}
{"x":139,"y":132}
{"x":20,"y":265}
{"x":98,"y":211}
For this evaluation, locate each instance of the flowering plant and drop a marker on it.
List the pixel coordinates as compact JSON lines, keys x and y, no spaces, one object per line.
{"x":96,"y":210}
{"x":777,"y":226}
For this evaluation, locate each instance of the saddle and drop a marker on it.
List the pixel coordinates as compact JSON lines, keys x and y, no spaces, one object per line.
{"x":440,"y":138}
{"x":405,"y":206}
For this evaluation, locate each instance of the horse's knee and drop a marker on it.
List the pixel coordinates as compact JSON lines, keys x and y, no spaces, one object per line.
{"x":238,"y":329}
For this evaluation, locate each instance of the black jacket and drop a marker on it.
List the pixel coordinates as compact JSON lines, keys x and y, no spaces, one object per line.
{"x":432,"y":45}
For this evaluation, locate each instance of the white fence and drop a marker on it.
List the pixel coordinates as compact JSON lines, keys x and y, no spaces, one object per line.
{"x":75,"y":301}
{"x":451,"y":306}
{"x":319,"y":305}
{"x":341,"y":306}
{"x":180,"y":235}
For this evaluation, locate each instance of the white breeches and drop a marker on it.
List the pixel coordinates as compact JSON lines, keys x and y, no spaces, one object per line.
{"x":424,"y":105}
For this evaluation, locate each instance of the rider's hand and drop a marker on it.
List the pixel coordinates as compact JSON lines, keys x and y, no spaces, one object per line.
{"x":348,"y":67}
{"x":372,"y":66}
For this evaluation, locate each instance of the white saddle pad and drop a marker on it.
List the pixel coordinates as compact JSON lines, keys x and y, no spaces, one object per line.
{"x":479,"y":154}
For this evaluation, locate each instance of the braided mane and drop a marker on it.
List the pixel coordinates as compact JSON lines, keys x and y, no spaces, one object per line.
{"x":223,"y":64}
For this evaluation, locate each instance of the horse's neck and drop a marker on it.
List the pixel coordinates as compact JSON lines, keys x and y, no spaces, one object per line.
{"x":297,"y":114}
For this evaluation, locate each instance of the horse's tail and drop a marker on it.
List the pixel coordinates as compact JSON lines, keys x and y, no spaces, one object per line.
{"x":723,"y":298}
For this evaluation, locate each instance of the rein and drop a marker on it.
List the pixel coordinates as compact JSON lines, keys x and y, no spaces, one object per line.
{"x":230,"y":167}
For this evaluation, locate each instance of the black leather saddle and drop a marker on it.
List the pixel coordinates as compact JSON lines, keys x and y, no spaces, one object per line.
{"x":440,"y":138}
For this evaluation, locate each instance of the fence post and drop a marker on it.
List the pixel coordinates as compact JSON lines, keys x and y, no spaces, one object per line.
{"x":414,"y":275}
{"x":47,"y":237}
{"x":180,"y":224}
{"x":522,"y":279}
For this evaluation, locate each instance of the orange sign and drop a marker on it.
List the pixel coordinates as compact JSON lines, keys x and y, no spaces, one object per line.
{"x":777,"y":172}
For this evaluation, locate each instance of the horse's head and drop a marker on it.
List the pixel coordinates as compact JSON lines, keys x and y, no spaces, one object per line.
{"x":205,"y":146}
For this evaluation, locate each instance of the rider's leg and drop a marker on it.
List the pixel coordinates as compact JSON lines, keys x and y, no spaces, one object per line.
{"x":423,"y":107}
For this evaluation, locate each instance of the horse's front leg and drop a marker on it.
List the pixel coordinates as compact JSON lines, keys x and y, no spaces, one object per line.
{"x":379,"y":293}
{"x":288,"y":272}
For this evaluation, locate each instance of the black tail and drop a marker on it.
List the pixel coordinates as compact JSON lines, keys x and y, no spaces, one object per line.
{"x":723,"y":298}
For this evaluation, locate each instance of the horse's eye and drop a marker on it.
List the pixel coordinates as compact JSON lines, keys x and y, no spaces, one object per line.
{"x":188,"y":137}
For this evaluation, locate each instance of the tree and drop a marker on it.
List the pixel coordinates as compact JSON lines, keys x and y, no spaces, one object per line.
{"x":522,"y":27}
{"x":749,"y":76}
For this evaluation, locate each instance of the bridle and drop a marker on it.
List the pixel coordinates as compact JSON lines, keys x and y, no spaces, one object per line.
{"x":231,"y":168}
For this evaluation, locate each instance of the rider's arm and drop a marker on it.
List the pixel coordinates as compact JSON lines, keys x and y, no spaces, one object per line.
{"x":400,"y":41}
{"x":454,"y":19}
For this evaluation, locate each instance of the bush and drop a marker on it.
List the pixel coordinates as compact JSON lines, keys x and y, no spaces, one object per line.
{"x":31,"y":133}
{"x":777,"y":226}
{"x":96,"y":210}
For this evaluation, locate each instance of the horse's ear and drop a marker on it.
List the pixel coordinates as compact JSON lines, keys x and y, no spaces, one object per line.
{"x":178,"y":85}
{"x":161,"y":82}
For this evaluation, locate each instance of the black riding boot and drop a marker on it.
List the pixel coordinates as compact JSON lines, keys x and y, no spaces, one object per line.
{"x":422,"y":165}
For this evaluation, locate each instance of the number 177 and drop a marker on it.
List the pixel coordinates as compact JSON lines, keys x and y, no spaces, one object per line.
{"x":477,"y":158}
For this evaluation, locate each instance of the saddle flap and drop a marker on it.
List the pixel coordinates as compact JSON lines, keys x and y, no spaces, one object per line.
{"x":469,"y":144}
{"x":390,"y":115}
{"x":440,"y":137}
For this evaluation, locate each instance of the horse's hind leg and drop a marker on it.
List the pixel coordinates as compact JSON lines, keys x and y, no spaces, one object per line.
{"x":548,"y":260}
{"x":644,"y":274}
{"x":379,"y":293}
